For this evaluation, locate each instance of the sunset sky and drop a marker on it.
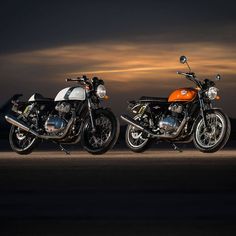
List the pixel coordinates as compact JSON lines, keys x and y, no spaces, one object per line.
{"x":133,"y":45}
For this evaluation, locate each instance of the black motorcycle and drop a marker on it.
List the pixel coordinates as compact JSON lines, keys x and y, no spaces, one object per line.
{"x":186,"y":115}
{"x":74,"y":115}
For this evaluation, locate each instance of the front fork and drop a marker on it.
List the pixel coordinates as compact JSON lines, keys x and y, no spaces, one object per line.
{"x":203,"y":111}
{"x":91,"y":115}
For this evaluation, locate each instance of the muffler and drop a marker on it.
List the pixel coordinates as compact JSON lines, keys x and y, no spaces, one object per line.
{"x":136,"y":124}
{"x":12,"y":120}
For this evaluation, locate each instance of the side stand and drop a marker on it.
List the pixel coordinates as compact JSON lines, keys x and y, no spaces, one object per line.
{"x":176,"y":148}
{"x":63,"y":149}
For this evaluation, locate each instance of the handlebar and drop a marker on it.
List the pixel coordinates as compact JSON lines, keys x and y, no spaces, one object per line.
{"x":191,"y":76}
{"x":186,"y":74}
{"x":83,"y":79}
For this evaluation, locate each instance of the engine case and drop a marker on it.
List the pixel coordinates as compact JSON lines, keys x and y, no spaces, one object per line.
{"x":169,"y":124}
{"x":55,"y":124}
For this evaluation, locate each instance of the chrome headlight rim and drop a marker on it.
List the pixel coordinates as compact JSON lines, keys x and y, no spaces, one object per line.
{"x":101,"y":91}
{"x":212,"y":93}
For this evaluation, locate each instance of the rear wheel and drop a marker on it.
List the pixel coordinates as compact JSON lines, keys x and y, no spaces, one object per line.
{"x":216,"y":136}
{"x":105,"y":135}
{"x":136,"y":140}
{"x":21,"y":141}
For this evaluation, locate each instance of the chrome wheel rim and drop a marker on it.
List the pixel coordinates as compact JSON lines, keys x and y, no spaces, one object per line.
{"x":135,"y":136}
{"x":23,"y":140}
{"x":209,"y":138}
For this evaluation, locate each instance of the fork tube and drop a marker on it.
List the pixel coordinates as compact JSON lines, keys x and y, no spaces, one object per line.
{"x":202,"y":107}
{"x":91,"y":115}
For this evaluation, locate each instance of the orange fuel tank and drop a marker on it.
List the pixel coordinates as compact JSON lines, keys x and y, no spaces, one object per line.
{"x":183,"y":95}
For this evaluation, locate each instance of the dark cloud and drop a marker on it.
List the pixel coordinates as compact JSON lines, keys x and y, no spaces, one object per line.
{"x":27,"y":25}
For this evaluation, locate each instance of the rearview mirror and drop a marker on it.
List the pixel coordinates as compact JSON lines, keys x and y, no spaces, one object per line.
{"x":218,"y":77}
{"x":183,"y":59}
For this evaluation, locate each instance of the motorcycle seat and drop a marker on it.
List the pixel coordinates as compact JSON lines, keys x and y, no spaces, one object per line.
{"x":153,"y":99}
{"x":40,"y":98}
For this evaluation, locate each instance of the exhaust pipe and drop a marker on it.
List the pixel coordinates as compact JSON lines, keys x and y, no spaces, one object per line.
{"x":14,"y":121}
{"x":136,"y":124}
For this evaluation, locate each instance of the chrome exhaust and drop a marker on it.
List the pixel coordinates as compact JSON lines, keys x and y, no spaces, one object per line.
{"x":136,"y":124}
{"x":14,"y":121}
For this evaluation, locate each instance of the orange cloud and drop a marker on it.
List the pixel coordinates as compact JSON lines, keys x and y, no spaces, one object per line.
{"x":127,"y":61}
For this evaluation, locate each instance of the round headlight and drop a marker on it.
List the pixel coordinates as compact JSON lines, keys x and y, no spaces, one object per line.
{"x":212,"y":93}
{"x":101,"y":91}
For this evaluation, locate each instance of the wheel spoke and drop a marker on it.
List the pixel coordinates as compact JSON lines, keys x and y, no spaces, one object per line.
{"x":209,"y":138}
{"x":102,"y":134}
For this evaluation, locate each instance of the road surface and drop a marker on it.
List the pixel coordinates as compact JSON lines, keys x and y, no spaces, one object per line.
{"x":120,"y":193}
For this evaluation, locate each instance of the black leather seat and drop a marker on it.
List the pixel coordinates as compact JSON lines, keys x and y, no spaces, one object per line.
{"x":41,"y":98}
{"x":153,"y":99}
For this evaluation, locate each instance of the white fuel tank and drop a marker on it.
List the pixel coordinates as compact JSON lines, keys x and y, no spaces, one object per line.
{"x":71,"y":93}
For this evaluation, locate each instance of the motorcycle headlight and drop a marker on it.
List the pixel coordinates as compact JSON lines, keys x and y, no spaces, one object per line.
{"x":101,"y":91}
{"x":212,"y":93}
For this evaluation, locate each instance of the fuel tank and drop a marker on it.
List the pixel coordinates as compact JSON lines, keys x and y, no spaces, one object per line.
{"x":71,"y":93}
{"x":183,"y":95}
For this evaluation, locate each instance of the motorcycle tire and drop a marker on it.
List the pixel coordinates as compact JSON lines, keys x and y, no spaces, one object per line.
{"x":106,"y":125}
{"x":22,"y":142}
{"x":220,"y":139}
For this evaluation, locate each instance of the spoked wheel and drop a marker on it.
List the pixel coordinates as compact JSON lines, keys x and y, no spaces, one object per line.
{"x":104,"y":136}
{"x":21,"y":141}
{"x":135,"y":139}
{"x":215,"y":136}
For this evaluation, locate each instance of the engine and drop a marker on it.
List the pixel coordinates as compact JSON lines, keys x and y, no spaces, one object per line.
{"x":172,"y":120}
{"x":57,"y":123}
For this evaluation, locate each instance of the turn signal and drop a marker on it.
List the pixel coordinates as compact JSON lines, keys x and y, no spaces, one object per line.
{"x":217,"y":97}
{"x":106,"y":97}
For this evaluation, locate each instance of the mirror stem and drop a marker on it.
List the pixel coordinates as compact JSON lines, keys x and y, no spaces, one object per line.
{"x":188,"y":66}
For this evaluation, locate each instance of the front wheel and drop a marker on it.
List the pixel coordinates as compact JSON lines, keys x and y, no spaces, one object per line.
{"x":21,"y":141}
{"x":105,"y":135}
{"x":214,"y":137}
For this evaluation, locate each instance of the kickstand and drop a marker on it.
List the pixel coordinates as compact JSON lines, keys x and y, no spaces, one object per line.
{"x":176,"y":148}
{"x":64,"y":150}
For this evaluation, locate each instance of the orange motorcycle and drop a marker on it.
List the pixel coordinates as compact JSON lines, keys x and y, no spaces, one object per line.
{"x":186,"y":115}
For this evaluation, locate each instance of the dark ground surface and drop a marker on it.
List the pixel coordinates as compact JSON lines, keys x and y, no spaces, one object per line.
{"x":160,"y":192}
